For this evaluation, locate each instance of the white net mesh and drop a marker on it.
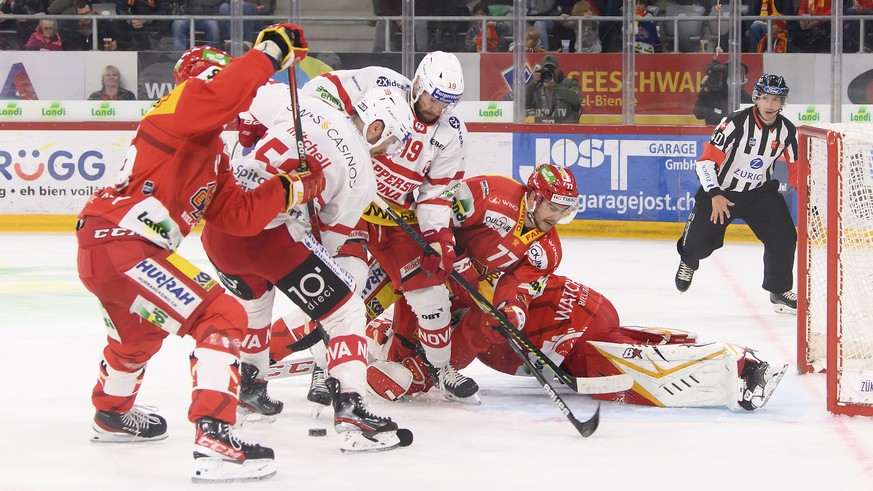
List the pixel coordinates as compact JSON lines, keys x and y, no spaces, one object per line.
{"x":852,"y":258}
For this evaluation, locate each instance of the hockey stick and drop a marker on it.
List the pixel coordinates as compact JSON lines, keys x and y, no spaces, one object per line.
{"x":582,"y":385}
{"x":295,"y":113}
{"x":585,"y":428}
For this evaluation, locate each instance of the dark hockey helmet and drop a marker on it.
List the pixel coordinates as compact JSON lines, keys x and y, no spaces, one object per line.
{"x":556,"y":185}
{"x":196,"y":61}
{"x":770,"y":84}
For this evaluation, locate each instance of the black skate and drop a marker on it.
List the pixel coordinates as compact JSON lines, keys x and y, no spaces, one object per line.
{"x":133,"y":426}
{"x":784,"y":303}
{"x":318,"y":392}
{"x":758,"y":381}
{"x":221,"y":457}
{"x":683,"y":277}
{"x":361,"y":430}
{"x":455,"y":386}
{"x":254,"y":403}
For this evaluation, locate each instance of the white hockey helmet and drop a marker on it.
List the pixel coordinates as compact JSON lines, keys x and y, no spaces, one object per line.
{"x":440,"y":75}
{"x":387,"y":104}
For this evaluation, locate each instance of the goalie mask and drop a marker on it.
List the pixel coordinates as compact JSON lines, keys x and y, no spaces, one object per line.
{"x":202,"y":62}
{"x":555,"y":185}
{"x":388,"y":105}
{"x":439,"y":75}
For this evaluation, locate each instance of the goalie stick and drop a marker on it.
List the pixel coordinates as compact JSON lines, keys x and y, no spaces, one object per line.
{"x":512,"y":336}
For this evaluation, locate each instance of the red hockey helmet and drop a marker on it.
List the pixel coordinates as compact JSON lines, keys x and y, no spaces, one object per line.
{"x":196,"y":60}
{"x":556,"y":185}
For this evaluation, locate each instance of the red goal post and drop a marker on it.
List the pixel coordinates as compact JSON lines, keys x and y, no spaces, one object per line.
{"x":835,"y":262}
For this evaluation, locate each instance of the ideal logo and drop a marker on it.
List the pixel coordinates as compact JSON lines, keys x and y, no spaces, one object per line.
{"x":11,"y":109}
{"x":492,"y":111}
{"x":54,"y":110}
{"x":105,"y":109}
{"x":861,"y":115}
{"x":810,"y":115}
{"x":594,"y":152}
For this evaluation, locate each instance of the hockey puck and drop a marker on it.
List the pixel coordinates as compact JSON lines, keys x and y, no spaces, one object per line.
{"x":405,"y":437}
{"x":317,"y":432}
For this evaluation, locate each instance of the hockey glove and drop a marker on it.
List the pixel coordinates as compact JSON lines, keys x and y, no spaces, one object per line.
{"x":250,"y":130}
{"x":443,"y":242}
{"x":302,"y":187}
{"x":514,"y":313}
{"x":464,"y":267}
{"x":284,"y":43}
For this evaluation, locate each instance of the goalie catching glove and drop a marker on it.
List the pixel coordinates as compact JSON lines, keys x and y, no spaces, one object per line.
{"x":284,"y":44}
{"x":513,"y":311}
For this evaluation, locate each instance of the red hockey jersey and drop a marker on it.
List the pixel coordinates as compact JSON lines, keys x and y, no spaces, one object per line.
{"x":177,"y":164}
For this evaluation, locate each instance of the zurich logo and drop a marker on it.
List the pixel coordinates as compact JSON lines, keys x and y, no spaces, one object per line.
{"x":757,"y":163}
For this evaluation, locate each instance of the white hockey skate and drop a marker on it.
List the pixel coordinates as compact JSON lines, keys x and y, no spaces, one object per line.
{"x":456,"y":386}
{"x":219,"y":456}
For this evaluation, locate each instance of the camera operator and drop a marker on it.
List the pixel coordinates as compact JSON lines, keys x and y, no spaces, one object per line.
{"x":550,"y":96}
{"x":712,"y":100}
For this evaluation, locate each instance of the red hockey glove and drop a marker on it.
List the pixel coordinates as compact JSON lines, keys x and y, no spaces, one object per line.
{"x":514,"y":313}
{"x":288,"y":45}
{"x":464,"y":267}
{"x":443,"y":242}
{"x":250,"y":130}
{"x":302,"y":187}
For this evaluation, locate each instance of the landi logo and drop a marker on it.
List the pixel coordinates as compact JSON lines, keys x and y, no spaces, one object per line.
{"x":492,"y":111}
{"x":55,"y":109}
{"x":11,"y":109}
{"x":861,"y":115}
{"x":810,"y":115}
{"x":105,"y":109}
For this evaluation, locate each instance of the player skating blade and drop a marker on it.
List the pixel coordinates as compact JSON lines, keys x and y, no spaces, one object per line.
{"x":361,"y":430}
{"x":136,"y":425}
{"x":255,"y":406}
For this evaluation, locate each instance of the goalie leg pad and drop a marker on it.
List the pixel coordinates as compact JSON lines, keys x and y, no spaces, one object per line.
{"x":671,"y":375}
{"x":658,"y":335}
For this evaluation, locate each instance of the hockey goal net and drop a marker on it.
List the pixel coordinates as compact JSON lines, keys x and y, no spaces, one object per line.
{"x":835,"y":262}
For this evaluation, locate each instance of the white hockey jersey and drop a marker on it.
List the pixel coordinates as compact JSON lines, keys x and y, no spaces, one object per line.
{"x":423,"y":176}
{"x":330,"y":138}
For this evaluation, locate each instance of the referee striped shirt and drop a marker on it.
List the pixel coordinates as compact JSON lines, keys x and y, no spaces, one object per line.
{"x":742,"y":152}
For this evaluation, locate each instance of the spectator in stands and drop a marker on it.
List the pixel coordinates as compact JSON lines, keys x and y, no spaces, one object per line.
{"x":182,"y":28}
{"x":496,"y":36}
{"x":543,"y":8}
{"x":552,"y":97}
{"x":588,"y":40}
{"x":77,"y":34}
{"x":391,"y":8}
{"x":137,"y":34}
{"x":249,"y":7}
{"x":20,"y":32}
{"x":778,"y":39}
{"x":610,"y":31}
{"x":852,"y":42}
{"x":45,"y":37}
{"x":532,"y":42}
{"x":814,"y":35}
{"x":646,"y":36}
{"x":61,"y":7}
{"x":758,"y":29}
{"x":111,"y":89}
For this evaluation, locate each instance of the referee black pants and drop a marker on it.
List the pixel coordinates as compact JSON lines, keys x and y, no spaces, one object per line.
{"x":766,"y":213}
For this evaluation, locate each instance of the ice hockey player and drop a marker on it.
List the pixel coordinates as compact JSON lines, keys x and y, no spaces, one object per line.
{"x":418,"y":182}
{"x":176,"y":172}
{"x":574,"y":325}
{"x":303,"y":254}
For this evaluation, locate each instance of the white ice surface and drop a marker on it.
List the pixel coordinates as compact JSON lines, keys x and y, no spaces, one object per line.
{"x":52,"y":337}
